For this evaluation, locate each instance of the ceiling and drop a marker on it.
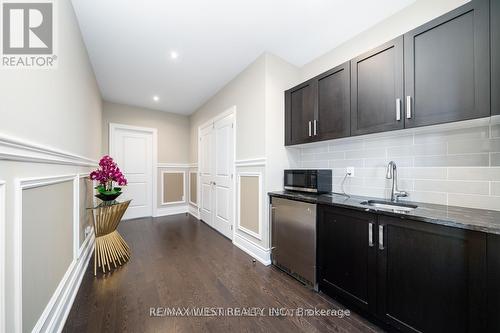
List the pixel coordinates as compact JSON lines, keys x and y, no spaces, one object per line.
{"x":130,"y":42}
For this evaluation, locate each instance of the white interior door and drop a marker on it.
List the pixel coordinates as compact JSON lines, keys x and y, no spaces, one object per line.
{"x":206,"y":167}
{"x":223,"y":177}
{"x":216,"y":153}
{"x":132,"y":149}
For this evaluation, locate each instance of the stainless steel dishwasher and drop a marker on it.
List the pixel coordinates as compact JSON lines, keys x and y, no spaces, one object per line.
{"x":293,"y":237}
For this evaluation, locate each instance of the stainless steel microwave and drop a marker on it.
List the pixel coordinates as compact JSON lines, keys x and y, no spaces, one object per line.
{"x":313,"y":181}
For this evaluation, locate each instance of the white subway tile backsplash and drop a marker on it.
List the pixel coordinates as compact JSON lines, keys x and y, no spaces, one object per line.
{"x":457,"y":165}
{"x":396,"y":139}
{"x":495,"y":131}
{"x":346,"y":163}
{"x":474,"y":201}
{"x":452,"y":160}
{"x":330,"y":156}
{"x":346,"y":144}
{"x":417,"y":150}
{"x":453,"y":186}
{"x":495,"y":188}
{"x":427,"y":173}
{"x":439,"y":198}
{"x":474,"y":174}
{"x":369,"y":153}
{"x":495,"y":159}
{"x":472,"y":133}
{"x":474,"y":146}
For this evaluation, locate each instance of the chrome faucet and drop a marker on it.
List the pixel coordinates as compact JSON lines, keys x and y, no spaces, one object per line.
{"x":392,"y":172}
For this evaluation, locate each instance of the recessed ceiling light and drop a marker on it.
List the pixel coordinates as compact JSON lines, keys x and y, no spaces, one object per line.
{"x":174,"y":55}
{"x":156,"y":98}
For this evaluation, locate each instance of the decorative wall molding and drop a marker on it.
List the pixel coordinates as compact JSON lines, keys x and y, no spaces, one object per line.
{"x":263,"y":255}
{"x":2,"y":256}
{"x":165,"y":211}
{"x":193,"y":210}
{"x":177,"y":165}
{"x":259,"y":161}
{"x":56,"y":312}
{"x":20,"y":185}
{"x":163,"y":203}
{"x":238,"y":203}
{"x":16,"y":149}
{"x":189,"y":186}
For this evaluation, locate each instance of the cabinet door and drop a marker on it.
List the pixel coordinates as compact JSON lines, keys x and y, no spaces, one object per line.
{"x":377,"y":89}
{"x":300,"y":106}
{"x":495,"y":57}
{"x":493,"y":283}
{"x":347,"y":255}
{"x":334,"y":104}
{"x":431,"y":278}
{"x":447,"y":67}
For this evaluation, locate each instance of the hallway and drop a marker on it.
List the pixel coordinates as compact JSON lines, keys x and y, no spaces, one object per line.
{"x":178,"y":261}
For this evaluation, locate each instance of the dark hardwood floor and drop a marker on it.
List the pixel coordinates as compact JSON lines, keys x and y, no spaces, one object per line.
{"x":178,"y":261}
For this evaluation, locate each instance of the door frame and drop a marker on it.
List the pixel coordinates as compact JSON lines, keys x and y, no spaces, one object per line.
{"x":229,"y":111}
{"x":154,"y":132}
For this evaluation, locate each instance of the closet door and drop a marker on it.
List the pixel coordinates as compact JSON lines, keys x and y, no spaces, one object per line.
{"x":206,"y":170}
{"x":216,"y":169}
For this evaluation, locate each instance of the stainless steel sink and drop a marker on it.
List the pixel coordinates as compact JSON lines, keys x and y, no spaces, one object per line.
{"x":389,"y":205}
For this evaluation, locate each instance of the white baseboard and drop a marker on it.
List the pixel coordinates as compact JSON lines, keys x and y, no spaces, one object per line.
{"x":57,"y":310}
{"x":193,"y":210}
{"x":258,"y":252}
{"x":165,"y":211}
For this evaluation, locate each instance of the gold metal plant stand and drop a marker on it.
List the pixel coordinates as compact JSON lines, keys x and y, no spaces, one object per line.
{"x":110,"y":248}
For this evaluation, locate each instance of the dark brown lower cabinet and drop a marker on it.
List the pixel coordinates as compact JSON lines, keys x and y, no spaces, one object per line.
{"x":411,"y":276}
{"x":346,"y":259}
{"x":431,"y":278}
{"x":493,"y":283}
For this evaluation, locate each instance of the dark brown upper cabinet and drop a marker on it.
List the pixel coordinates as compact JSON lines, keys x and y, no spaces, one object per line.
{"x":377,"y":89}
{"x":334,"y":104}
{"x":447,"y":67}
{"x":495,"y":57}
{"x":300,"y":109}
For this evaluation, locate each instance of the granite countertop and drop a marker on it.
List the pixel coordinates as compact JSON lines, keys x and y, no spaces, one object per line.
{"x":459,"y":217}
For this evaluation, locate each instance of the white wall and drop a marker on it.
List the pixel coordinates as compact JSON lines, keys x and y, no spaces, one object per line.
{"x":247,"y":92}
{"x":60,"y":109}
{"x":173,"y":129}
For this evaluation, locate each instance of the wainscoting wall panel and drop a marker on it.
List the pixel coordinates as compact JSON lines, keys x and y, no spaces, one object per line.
{"x":249,"y":216}
{"x":47,"y":232}
{"x":2,"y":256}
{"x":173,"y":189}
{"x":252,"y":226}
{"x":49,"y":262}
{"x":86,"y":197}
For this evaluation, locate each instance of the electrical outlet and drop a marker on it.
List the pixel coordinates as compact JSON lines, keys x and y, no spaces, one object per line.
{"x":88,"y":229}
{"x":350,"y":171}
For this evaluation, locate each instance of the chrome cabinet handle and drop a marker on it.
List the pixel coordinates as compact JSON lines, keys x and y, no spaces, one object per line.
{"x":408,"y":107}
{"x":310,"y":128}
{"x":398,"y":109}
{"x":380,"y":237}
{"x":315,"y":127}
{"x":370,"y":234}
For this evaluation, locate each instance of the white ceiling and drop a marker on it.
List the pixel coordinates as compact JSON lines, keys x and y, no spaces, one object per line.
{"x":129,"y":42}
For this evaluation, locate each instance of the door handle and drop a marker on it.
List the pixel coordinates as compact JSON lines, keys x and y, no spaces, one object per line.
{"x":380,"y":237}
{"x":398,"y":109}
{"x":408,"y":107}
{"x":310,"y":128}
{"x":370,"y":234}
{"x":315,"y":122}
